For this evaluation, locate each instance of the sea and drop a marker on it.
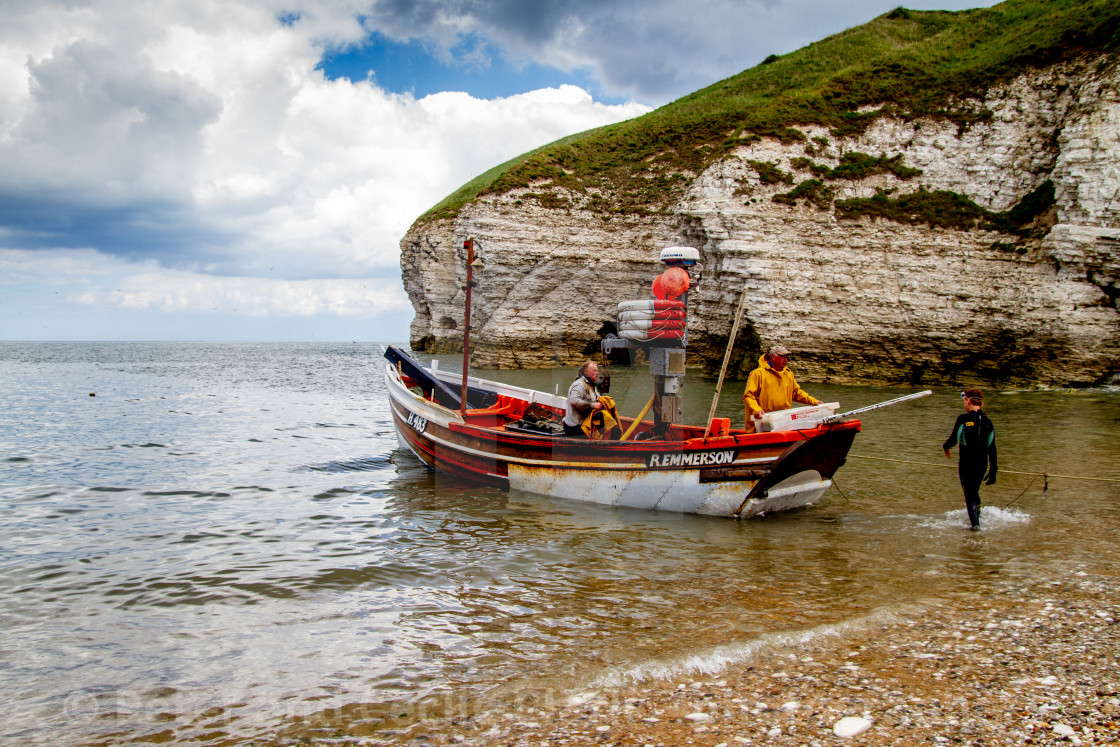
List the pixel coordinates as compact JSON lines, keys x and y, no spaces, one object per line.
{"x":223,"y":543}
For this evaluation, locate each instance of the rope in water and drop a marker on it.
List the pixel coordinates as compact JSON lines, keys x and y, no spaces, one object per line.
{"x":1046,"y":475}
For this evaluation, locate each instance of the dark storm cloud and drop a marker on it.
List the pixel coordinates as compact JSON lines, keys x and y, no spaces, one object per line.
{"x":104,"y":156}
{"x":140,"y":230}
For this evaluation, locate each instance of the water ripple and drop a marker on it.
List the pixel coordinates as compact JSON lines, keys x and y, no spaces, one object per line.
{"x":359,"y":464}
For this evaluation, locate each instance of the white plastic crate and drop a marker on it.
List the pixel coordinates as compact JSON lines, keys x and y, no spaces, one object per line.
{"x":796,"y":418}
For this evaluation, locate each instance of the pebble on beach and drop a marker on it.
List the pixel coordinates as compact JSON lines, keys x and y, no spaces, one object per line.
{"x":1037,"y":664}
{"x":850,"y":726}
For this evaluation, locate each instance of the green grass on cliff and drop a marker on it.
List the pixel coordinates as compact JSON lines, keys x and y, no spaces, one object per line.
{"x":905,"y":63}
{"x":941,"y":209}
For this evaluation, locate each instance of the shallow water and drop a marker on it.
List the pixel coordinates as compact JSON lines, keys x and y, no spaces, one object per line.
{"x":226,"y":541}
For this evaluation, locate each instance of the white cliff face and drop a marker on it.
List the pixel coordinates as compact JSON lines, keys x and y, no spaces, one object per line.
{"x":549,"y":281}
{"x":857,"y":300}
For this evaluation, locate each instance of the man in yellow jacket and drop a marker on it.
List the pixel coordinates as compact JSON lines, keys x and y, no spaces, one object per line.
{"x":772,"y":387}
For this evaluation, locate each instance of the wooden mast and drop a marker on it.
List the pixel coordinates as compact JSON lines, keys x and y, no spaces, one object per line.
{"x":726,"y":358}
{"x":469,"y":246}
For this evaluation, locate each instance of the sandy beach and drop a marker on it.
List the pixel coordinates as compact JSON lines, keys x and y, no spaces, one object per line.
{"x":1036,"y":665}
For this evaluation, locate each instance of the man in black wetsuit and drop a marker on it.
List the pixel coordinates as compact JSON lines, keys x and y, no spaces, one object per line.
{"x":977,"y":438}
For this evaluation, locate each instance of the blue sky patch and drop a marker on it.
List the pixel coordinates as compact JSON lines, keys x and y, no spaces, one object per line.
{"x":409,"y":67}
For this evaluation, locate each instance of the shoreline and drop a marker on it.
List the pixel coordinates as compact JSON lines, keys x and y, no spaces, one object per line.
{"x":1038,"y":664}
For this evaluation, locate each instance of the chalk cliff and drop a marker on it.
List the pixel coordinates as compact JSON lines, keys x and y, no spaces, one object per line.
{"x":842,"y":269}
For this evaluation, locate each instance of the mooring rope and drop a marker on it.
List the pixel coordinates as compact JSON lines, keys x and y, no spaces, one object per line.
{"x":1002,"y":471}
{"x":1045,"y":487}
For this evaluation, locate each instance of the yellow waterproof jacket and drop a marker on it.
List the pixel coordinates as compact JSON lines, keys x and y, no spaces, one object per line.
{"x":769,"y":390}
{"x":603,"y":424}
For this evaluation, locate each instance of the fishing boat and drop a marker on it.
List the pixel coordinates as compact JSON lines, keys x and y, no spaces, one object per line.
{"x":726,"y":474}
{"x":509,"y":435}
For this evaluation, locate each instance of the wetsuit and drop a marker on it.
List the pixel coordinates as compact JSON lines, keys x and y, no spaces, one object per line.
{"x":977,"y":438}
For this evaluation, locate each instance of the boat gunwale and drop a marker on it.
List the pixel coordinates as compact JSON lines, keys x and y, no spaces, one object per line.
{"x":497,"y":434}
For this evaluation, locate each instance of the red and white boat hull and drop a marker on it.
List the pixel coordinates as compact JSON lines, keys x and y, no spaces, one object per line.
{"x":739,"y":474}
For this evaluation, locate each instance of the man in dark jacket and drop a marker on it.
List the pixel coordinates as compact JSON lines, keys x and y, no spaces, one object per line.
{"x":976,"y":436}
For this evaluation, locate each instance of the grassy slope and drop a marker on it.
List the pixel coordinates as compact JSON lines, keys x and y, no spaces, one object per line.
{"x":913,"y":63}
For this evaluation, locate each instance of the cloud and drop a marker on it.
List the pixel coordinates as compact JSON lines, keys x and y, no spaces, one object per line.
{"x":200,"y":135}
{"x":22,"y":267}
{"x":107,"y":123}
{"x":93,"y":279}
{"x":369,"y":163}
{"x":172,"y":292}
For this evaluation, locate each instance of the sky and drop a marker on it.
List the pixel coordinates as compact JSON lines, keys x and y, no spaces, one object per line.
{"x":244,"y":170}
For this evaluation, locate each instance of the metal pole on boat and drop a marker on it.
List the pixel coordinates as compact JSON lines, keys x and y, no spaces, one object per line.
{"x":726,"y":359}
{"x":838,"y":417}
{"x":469,"y":246}
{"x":638,"y":420}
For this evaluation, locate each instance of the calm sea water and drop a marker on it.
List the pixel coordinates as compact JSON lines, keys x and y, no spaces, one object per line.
{"x":226,"y":544}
